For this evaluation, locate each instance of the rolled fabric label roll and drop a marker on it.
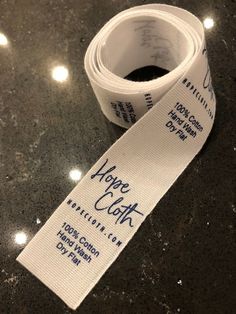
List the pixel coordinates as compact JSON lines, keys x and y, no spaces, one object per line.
{"x":169,"y":119}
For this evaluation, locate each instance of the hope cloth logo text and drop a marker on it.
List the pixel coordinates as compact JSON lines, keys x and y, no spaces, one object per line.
{"x":116,"y":207}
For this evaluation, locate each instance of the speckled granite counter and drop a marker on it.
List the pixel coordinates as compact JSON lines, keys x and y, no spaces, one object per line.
{"x":182,"y":260}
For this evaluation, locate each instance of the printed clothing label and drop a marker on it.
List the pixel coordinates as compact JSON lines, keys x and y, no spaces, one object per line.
{"x":168,"y":121}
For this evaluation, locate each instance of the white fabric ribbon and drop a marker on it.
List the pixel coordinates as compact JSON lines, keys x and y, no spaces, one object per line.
{"x":175,"y":114}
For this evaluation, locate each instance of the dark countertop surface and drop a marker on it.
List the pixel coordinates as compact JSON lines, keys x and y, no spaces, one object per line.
{"x":182,"y":259}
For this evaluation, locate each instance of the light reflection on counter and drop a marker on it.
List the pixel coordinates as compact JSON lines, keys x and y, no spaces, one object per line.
{"x":60,"y":73}
{"x":38,"y":221}
{"x":208,"y":22}
{"x":75,"y":174}
{"x":21,"y":238}
{"x":3,"y":40}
